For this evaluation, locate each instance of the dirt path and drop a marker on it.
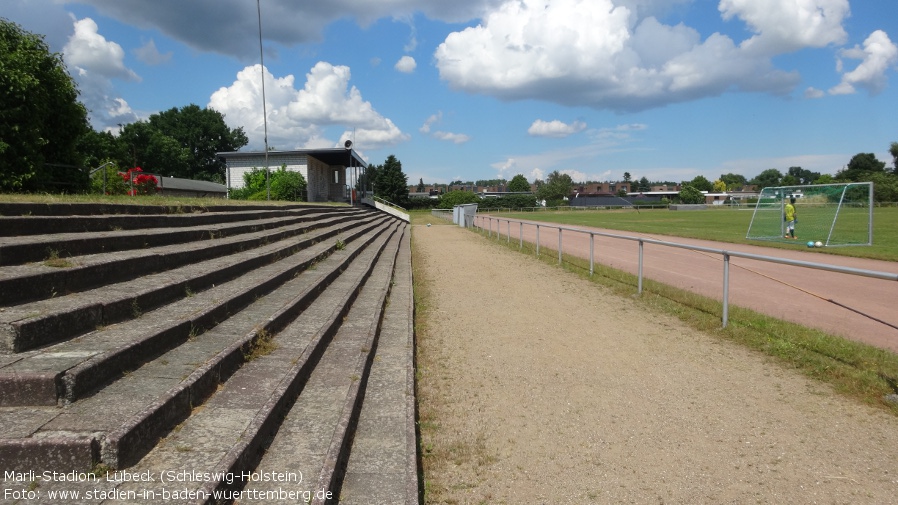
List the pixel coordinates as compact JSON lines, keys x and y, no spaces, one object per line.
{"x":556,"y":391}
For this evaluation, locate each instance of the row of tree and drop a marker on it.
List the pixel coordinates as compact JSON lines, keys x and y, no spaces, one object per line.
{"x":863,"y":167}
{"x":47,"y":143}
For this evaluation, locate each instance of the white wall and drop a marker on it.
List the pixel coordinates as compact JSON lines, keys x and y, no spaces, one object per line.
{"x":238,"y":166}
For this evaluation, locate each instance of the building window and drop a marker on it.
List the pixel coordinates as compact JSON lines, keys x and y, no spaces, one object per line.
{"x":336,"y":177}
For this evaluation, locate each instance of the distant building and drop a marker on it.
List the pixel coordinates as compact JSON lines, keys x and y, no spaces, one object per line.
{"x":325,"y":170}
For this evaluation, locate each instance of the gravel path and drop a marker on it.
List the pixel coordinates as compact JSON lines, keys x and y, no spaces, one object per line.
{"x":537,"y":386}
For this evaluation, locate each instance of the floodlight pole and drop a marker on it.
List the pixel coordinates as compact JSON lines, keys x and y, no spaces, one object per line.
{"x":348,"y":146}
{"x":264,"y":105}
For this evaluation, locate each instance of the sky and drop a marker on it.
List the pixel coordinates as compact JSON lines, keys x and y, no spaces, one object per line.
{"x":484,"y":89}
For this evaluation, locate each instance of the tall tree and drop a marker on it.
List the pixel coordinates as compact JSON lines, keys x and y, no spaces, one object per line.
{"x":644,"y":184}
{"x":368,"y":179}
{"x":691,"y":195}
{"x":803,"y":176}
{"x":701,"y":183}
{"x":519,"y":183}
{"x":421,"y":186}
{"x":181,"y":143}
{"x":768,"y":178}
{"x":41,"y":118}
{"x":861,"y":167}
{"x":893,"y":150}
{"x":556,"y":188}
{"x":627,"y":177}
{"x":733,"y":181}
{"x":392,"y":183}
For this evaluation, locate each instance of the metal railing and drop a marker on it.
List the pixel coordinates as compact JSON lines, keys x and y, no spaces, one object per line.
{"x":388,"y":207}
{"x":726,"y":255}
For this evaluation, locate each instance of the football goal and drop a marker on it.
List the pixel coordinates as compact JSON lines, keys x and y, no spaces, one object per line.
{"x":827,"y":215}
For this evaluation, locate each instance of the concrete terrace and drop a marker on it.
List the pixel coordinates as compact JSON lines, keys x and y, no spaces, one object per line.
{"x":220,"y":353}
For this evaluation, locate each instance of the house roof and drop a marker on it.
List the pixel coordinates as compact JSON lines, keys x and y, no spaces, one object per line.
{"x":335,"y":156}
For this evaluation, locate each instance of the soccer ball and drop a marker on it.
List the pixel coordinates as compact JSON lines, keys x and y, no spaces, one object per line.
{"x":818,"y":244}
{"x":810,"y":243}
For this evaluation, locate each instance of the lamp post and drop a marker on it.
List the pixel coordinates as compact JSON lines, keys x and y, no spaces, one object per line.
{"x":264,"y":105}
{"x":348,"y":146}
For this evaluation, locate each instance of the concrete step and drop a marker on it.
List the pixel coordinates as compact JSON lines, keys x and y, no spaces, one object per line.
{"x":17,"y":250}
{"x":48,"y":279}
{"x":315,"y":437}
{"x":34,"y":324}
{"x":311,"y":347}
{"x":65,"y":372}
{"x":22,"y":225}
{"x":120,"y":422}
{"x":138,"y":209}
{"x":383,"y":464}
{"x":293,"y":357}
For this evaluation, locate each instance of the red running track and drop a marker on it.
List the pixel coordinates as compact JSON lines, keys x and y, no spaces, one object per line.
{"x":797,"y":294}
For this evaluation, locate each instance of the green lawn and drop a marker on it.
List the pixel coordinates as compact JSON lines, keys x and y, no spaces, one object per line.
{"x":724,"y":225}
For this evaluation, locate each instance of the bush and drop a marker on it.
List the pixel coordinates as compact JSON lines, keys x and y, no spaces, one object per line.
{"x":115,"y":185}
{"x":285,"y":185}
{"x":419,"y":203}
{"x":453,"y":198}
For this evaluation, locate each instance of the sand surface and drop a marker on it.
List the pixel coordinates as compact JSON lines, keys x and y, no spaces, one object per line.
{"x":557,"y":391}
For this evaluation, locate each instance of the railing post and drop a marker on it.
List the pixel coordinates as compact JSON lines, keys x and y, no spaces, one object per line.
{"x":521,"y":236}
{"x":509,"y":232}
{"x":641,"y":247}
{"x":726,"y":288}
{"x":537,"y":241}
{"x":592,"y":241}
{"x":559,"y":246}
{"x":489,"y":232}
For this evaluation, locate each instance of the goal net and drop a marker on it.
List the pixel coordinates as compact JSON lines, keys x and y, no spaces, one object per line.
{"x":832,"y":214}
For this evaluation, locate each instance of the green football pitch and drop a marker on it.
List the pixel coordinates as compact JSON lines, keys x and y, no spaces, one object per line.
{"x":723,"y":225}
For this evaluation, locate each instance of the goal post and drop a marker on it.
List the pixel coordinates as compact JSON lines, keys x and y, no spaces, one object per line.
{"x":832,"y":214}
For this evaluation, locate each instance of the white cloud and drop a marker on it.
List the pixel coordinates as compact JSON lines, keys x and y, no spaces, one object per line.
{"x":299,"y":118}
{"x":90,"y":52}
{"x":94,"y":62}
{"x":877,"y":56}
{"x":432,"y":120}
{"x":455,"y":138}
{"x":783,"y":26}
{"x":601,"y":142}
{"x":555,"y":128}
{"x":149,"y":54}
{"x":618,"y":56}
{"x":406,"y":65}
{"x":812,"y":92}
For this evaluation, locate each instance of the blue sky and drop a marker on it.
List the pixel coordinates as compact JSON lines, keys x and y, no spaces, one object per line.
{"x":479,"y":89}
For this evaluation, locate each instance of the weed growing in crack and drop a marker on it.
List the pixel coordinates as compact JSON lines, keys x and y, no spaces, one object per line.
{"x":53,"y":260}
{"x":262,"y":345}
{"x":135,"y":309}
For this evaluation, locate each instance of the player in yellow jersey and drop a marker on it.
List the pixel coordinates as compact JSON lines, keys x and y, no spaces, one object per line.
{"x":790,"y":218}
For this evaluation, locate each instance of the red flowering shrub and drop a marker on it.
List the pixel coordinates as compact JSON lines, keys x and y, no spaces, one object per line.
{"x":139,"y":183}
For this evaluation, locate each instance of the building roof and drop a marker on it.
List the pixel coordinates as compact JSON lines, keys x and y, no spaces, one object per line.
{"x":189,"y":185}
{"x":335,"y":156}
